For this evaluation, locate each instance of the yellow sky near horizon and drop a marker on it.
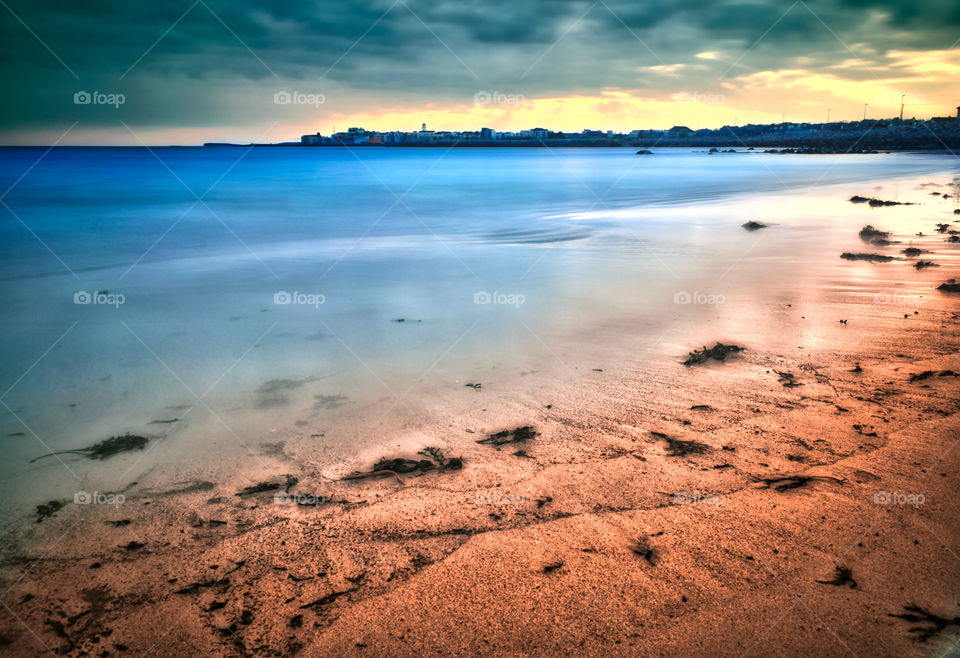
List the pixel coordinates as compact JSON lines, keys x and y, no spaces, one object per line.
{"x":796,"y":94}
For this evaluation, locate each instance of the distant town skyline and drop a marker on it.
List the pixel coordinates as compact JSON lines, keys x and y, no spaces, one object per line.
{"x":116,"y":73}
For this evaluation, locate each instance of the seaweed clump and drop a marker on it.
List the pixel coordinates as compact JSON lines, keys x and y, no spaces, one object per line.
{"x":504,"y":437}
{"x":950,"y":285}
{"x":842,"y":576}
{"x":872,"y":258}
{"x":680,"y":447}
{"x":720,"y":352}
{"x":47,"y":510}
{"x":396,"y":465}
{"x":875,"y":236}
{"x":261,"y":487}
{"x":922,"y":264}
{"x":106,"y":448}
{"x":643,"y":548}
{"x":934,"y":624}
{"x":753,"y":226}
{"x":786,"y":482}
{"x":876,"y":203}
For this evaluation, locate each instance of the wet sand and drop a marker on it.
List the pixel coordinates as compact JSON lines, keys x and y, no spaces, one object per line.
{"x":595,"y":540}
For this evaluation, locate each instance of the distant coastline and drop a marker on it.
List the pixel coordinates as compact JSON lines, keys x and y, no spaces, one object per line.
{"x":939,"y":133}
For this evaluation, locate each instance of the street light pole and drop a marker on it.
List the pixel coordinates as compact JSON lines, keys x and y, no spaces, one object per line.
{"x":865,"y":111}
{"x":901,"y":106}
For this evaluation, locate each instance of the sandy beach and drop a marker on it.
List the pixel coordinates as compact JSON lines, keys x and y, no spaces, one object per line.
{"x":795,"y":498}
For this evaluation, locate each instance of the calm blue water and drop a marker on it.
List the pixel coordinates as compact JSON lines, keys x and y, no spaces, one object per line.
{"x":199,"y":243}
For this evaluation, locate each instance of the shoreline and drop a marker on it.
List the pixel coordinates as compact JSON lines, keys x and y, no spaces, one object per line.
{"x":596,"y":539}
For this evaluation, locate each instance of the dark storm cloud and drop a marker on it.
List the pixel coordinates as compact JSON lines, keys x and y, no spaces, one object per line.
{"x":202,"y":71}
{"x":912,"y":13}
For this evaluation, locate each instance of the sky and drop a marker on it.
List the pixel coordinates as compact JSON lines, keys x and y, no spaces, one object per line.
{"x":190,"y":71}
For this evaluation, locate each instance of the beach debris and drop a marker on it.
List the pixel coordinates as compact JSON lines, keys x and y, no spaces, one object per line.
{"x":842,"y":576}
{"x":788,"y":379}
{"x":119,"y":523}
{"x":873,"y":258}
{"x":753,"y":226}
{"x":644,"y":152}
{"x":843,"y":322}
{"x":913,"y":251}
{"x":785,"y":482}
{"x":926,"y":374}
{"x":328,"y":599}
{"x":330,"y":401}
{"x":934,"y":624}
{"x":876,"y":203}
{"x":950,"y":285}
{"x":550,"y":567}
{"x":261,"y":487}
{"x":503,"y":437}
{"x":132,"y":545}
{"x":522,"y":453}
{"x":106,"y":448}
{"x":856,"y":368}
{"x":397,"y":465}
{"x":161,"y":421}
{"x":865,"y":430}
{"x":718,"y":352}
{"x":193,"y":588}
{"x":874,"y":236}
{"x":403,"y":465}
{"x":543,"y":501}
{"x":475,"y":387}
{"x":643,"y":548}
{"x":48,"y":509}
{"x":274,"y":393}
{"x":453,"y":464}
{"x":701,"y":407}
{"x":922,"y":264}
{"x":680,"y":447}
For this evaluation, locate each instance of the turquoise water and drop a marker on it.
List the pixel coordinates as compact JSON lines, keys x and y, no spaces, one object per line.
{"x":493,"y":258}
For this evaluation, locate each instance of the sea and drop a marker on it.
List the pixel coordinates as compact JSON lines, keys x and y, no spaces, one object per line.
{"x":233,"y":304}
